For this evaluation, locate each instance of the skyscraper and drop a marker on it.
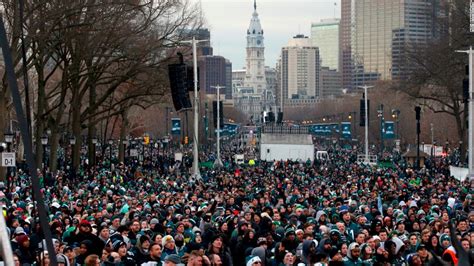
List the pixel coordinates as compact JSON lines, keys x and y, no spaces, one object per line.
{"x":345,"y":54}
{"x":325,"y":36}
{"x":300,"y":69}
{"x":377,"y":33}
{"x":212,"y":72}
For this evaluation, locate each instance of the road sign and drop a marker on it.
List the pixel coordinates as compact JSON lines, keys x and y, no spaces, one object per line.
{"x":8,"y":159}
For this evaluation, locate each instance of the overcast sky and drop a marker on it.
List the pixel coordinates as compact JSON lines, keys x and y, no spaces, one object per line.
{"x":228,"y":21}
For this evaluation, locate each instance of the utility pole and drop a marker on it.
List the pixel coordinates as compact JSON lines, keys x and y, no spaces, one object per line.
{"x":418,"y":131}
{"x":471,"y":107}
{"x":196,"y":173}
{"x":365,"y":87}
{"x":382,"y":129}
{"x":218,"y":161}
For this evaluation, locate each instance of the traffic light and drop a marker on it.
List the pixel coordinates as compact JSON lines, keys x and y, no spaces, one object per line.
{"x":186,"y":140}
{"x":221,"y":113}
{"x":362,"y":112}
{"x":177,"y":74}
{"x":146,"y":140}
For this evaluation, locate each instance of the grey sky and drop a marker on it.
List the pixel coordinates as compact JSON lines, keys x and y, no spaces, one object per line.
{"x":228,"y":21}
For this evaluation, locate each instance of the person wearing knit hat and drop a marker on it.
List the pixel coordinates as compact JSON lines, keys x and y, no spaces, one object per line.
{"x":253,"y":260}
{"x":445,"y":241}
{"x":169,"y":246}
{"x":172,"y":260}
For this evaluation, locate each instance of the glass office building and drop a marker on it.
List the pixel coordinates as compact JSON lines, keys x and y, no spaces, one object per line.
{"x":380,"y":32}
{"x":325,"y":36}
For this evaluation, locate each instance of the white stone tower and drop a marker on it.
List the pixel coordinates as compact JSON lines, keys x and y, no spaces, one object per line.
{"x":255,"y":58}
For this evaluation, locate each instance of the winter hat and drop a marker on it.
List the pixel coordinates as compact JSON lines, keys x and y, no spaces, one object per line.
{"x":166,"y":239}
{"x":85,"y":223}
{"x":19,"y":231}
{"x":173,"y":258}
{"x":117,"y":244}
{"x":22,"y":239}
{"x":252,"y":259}
{"x":444,"y":237}
{"x":154,"y":221}
{"x":261,"y":240}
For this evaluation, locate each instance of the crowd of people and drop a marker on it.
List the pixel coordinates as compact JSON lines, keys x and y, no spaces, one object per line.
{"x":333,"y":212}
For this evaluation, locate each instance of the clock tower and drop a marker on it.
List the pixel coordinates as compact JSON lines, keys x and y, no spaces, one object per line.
{"x":255,"y":59}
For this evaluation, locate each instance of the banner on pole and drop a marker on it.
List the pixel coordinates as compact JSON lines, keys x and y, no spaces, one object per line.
{"x":389,"y":132}
{"x":346,"y":130}
{"x":472,"y":16}
{"x":175,"y":126}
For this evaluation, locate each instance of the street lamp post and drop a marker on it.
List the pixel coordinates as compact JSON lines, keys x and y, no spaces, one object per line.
{"x":218,"y":161}
{"x":94,"y":146}
{"x":111,"y":142}
{"x":396,"y":115}
{"x":470,"y":123}
{"x":196,"y":173}
{"x":44,"y":142}
{"x":366,"y":122}
{"x":9,"y":140}
{"x":143,"y":152}
{"x":72,"y":141}
{"x":382,"y":129}
{"x":125,"y":144}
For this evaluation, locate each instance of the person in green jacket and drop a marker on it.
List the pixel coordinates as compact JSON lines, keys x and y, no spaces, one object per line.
{"x":353,"y":255}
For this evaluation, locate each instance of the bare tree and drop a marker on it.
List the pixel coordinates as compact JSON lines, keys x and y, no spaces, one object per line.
{"x":438,"y":70}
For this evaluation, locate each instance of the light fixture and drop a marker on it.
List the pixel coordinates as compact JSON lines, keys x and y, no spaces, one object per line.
{"x":111,"y":141}
{"x":44,"y":140}
{"x":8,"y":137}
{"x":72,"y":140}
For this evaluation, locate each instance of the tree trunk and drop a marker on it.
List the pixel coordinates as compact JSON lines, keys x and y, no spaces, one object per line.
{"x":91,"y":130}
{"x":53,"y":147}
{"x":39,"y":115}
{"x":123,"y":135}
{"x":76,"y":131}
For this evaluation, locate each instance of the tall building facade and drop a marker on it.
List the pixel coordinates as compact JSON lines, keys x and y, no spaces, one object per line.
{"x":330,"y":82}
{"x":325,"y":36}
{"x":377,"y":34}
{"x":345,"y":53}
{"x":300,"y":69}
{"x":212,"y":72}
{"x":228,"y":79}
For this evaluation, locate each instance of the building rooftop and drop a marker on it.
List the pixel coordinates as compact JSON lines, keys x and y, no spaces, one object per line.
{"x":291,"y":139}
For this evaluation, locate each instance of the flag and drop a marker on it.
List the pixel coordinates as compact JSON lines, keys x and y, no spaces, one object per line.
{"x":175,"y":126}
{"x":379,"y":204}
